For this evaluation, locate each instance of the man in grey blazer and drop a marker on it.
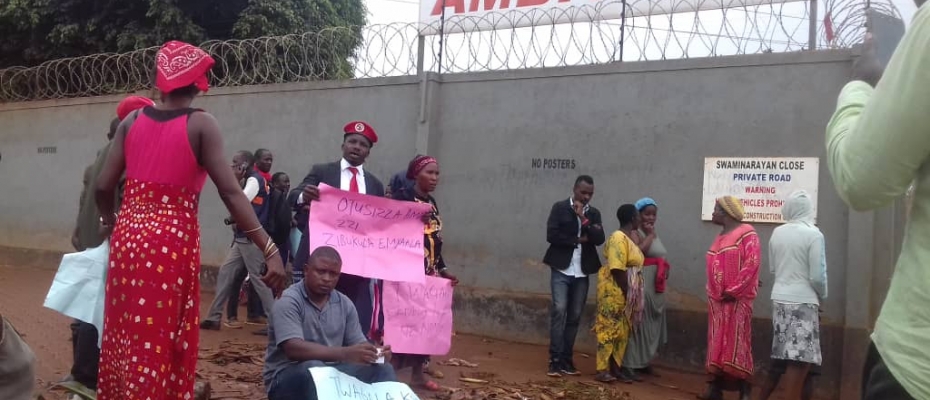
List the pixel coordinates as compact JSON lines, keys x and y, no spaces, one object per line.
{"x":348,"y":174}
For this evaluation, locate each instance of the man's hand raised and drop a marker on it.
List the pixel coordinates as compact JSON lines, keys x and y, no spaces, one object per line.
{"x":311,"y":193}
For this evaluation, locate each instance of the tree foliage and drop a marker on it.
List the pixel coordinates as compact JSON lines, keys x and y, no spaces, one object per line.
{"x":35,"y":31}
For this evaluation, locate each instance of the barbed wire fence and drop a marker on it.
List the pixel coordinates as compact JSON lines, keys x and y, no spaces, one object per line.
{"x":393,"y":49}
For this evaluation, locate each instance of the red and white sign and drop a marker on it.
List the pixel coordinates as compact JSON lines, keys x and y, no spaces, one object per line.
{"x":484,"y":15}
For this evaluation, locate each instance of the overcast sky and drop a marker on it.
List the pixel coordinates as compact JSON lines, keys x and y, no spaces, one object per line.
{"x":387,"y":11}
{"x":743,"y":31}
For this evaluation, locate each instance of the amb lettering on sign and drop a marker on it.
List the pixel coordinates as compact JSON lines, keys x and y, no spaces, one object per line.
{"x":459,"y":6}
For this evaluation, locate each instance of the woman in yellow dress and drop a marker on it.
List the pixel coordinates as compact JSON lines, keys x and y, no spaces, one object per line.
{"x":612,"y":323}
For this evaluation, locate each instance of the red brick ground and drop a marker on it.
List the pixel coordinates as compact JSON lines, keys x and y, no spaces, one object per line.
{"x":22,"y":292}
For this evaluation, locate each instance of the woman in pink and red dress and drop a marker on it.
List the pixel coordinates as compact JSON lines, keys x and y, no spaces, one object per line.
{"x":151,"y":318}
{"x":732,"y":284}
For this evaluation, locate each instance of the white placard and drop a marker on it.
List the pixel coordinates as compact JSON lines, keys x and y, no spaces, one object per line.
{"x":334,"y":385}
{"x":485,"y":15}
{"x":762,"y":184}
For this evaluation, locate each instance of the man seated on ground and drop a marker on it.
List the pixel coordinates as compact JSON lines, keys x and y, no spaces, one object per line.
{"x":313,"y":325}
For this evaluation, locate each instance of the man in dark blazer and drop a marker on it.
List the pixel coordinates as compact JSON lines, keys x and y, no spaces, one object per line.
{"x":573,"y":231}
{"x":350,"y":175}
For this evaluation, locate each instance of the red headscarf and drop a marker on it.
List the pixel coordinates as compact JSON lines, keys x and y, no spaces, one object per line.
{"x":181,"y":65}
{"x":417,"y":165}
{"x":130,"y":104}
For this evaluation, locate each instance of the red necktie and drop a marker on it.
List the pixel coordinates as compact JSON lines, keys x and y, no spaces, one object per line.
{"x":353,"y":184}
{"x":376,"y":311}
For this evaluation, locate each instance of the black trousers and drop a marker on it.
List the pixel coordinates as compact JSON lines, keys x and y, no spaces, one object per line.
{"x":253,"y":305}
{"x":877,"y":381}
{"x":86,"y":353}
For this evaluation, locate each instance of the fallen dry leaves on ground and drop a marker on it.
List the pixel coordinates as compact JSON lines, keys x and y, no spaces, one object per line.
{"x":234,"y":370}
{"x":541,"y":390}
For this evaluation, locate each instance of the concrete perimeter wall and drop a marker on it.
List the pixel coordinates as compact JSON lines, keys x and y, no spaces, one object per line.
{"x":638,"y":128}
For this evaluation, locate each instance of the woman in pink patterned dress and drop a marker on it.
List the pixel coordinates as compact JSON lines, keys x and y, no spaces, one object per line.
{"x":732,"y":282}
{"x":150,"y":334}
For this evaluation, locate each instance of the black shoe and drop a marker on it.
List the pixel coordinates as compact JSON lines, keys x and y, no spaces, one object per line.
{"x":555,"y":369}
{"x":210,"y":325}
{"x":568,"y":368}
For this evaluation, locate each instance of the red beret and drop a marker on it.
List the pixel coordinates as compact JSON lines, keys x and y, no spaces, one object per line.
{"x":361,"y":128}
{"x":130,"y":104}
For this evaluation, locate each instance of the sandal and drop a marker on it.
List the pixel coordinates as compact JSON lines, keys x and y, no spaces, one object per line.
{"x":605,"y":377}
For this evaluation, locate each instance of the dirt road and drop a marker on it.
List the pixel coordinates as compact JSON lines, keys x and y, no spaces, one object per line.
{"x":232,"y":359}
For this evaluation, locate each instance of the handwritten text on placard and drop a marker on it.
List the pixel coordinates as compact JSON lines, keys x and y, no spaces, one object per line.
{"x":376,"y":237}
{"x":334,"y":385}
{"x":418,"y":316}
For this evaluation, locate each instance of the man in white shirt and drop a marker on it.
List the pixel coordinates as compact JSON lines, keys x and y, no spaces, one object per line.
{"x":348,"y":174}
{"x":242,"y":253}
{"x":573,"y":231}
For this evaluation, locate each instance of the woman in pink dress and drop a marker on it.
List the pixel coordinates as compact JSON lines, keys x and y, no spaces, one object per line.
{"x":151,"y":318}
{"x":732,"y":282}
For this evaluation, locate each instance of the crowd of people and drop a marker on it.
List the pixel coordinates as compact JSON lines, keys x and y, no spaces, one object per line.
{"x":142,"y":193}
{"x":630,"y":321}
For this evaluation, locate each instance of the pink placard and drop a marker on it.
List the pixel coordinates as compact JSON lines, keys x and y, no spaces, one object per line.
{"x":418,"y":316}
{"x":376,"y":237}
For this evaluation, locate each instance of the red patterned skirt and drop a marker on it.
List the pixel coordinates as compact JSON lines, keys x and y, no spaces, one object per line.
{"x":151,"y":333}
{"x":729,"y":339}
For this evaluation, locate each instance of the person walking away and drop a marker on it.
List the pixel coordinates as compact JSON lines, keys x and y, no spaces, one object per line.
{"x":797,"y":258}
{"x":87,"y":235}
{"x":242,"y":255}
{"x":732,"y":283}
{"x":150,"y":336}
{"x":878,"y":144}
{"x":573,"y":231}
{"x":613,"y":323}
{"x":243,"y":292}
{"x":651,"y":331}
{"x":347,"y":174}
{"x":424,"y":172}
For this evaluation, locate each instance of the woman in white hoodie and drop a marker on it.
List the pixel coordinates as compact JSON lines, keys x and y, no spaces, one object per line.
{"x":797,"y":258}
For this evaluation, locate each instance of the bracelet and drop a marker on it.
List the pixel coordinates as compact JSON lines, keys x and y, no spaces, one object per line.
{"x":268,"y":257}
{"x":270,"y":248}
{"x":256,"y":229}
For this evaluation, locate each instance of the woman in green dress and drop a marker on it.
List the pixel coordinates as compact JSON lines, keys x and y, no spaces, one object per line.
{"x":650,"y":332}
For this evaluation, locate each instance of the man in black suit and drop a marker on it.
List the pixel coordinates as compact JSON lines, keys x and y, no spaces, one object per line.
{"x":347,"y":174}
{"x":573,"y":231}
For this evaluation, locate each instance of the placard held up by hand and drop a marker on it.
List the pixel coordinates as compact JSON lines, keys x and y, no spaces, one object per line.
{"x":376,"y":237}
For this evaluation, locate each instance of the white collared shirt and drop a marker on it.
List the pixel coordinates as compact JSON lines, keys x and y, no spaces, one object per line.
{"x":574,"y":268}
{"x":347,"y":177}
